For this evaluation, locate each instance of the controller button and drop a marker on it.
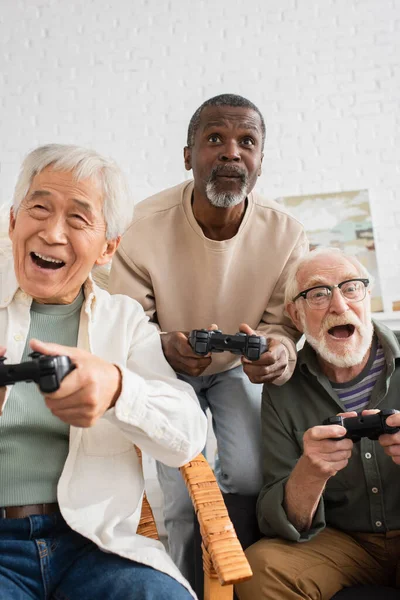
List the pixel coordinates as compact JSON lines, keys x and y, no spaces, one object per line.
{"x":18,"y":337}
{"x":202,"y":335}
{"x":368,"y":455}
{"x":378,"y":523}
{"x":374,"y":490}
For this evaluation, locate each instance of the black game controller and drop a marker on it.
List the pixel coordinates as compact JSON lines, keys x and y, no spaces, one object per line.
{"x":251,"y":346}
{"x":46,"y":371}
{"x":370,"y":426}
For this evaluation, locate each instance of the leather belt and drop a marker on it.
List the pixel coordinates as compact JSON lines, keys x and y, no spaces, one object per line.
{"x":20,"y":512}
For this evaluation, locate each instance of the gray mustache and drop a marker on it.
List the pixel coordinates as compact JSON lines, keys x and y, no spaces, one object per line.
{"x":222,"y":170}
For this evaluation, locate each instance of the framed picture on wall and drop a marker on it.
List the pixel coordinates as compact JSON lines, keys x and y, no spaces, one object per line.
{"x":342,"y":220}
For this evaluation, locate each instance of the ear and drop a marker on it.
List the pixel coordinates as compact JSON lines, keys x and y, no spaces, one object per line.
{"x":11,"y":223}
{"x":109,"y":249}
{"x":260,"y":169}
{"x":187,"y":156}
{"x":294,"y":314}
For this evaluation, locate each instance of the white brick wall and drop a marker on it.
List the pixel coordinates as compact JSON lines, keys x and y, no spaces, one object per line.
{"x":124,"y":76}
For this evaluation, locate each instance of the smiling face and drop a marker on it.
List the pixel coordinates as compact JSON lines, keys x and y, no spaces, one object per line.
{"x":226,"y":155}
{"x":341,"y":334}
{"x":58,"y":235}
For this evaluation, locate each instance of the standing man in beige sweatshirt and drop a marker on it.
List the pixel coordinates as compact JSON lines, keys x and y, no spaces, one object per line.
{"x":211,"y":251}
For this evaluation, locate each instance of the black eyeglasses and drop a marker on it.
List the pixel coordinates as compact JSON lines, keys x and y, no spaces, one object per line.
{"x":320,"y":296}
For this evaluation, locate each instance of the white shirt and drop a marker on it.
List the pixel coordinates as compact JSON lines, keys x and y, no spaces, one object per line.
{"x":101,"y":487}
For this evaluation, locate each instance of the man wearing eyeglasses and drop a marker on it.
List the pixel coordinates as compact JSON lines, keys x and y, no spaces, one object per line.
{"x":340,"y":497}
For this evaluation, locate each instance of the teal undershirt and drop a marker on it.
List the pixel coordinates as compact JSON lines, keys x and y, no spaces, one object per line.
{"x":33,"y":442}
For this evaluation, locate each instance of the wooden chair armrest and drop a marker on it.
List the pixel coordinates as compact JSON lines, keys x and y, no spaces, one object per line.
{"x":147,"y":524}
{"x":222,"y":551}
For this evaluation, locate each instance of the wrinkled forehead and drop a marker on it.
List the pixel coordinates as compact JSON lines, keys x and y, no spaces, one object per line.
{"x":228,"y":116}
{"x":326,"y":270}
{"x":52,"y":182}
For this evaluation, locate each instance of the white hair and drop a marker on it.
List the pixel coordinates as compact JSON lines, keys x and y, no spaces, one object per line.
{"x":84,"y":163}
{"x":292,"y":284}
{"x":350,"y":356}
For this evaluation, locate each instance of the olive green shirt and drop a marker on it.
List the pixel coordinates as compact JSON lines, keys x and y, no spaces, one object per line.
{"x":33,"y":442}
{"x":365,"y":495}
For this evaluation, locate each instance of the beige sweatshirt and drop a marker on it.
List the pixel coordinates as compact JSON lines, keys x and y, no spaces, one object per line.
{"x":187,"y":281}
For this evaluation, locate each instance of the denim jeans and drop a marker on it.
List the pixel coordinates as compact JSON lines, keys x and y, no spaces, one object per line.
{"x":42,"y":558}
{"x":235,"y":405}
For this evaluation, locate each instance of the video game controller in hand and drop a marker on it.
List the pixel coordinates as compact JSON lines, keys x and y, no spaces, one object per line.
{"x":370,"y":426}
{"x":203,"y":341}
{"x":46,"y":371}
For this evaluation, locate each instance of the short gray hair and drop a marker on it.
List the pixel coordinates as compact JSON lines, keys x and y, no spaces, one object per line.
{"x":292,"y":284}
{"x":84,"y":163}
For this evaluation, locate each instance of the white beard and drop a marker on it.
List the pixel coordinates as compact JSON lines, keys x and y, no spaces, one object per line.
{"x":351,"y":357}
{"x":224,"y":199}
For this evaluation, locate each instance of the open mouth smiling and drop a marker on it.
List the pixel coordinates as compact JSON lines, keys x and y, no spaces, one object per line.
{"x":342,"y":331}
{"x":46,"y":262}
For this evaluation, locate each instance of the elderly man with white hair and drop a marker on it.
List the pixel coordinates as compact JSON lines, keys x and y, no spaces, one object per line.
{"x":331,"y":503}
{"x":71,"y":482}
